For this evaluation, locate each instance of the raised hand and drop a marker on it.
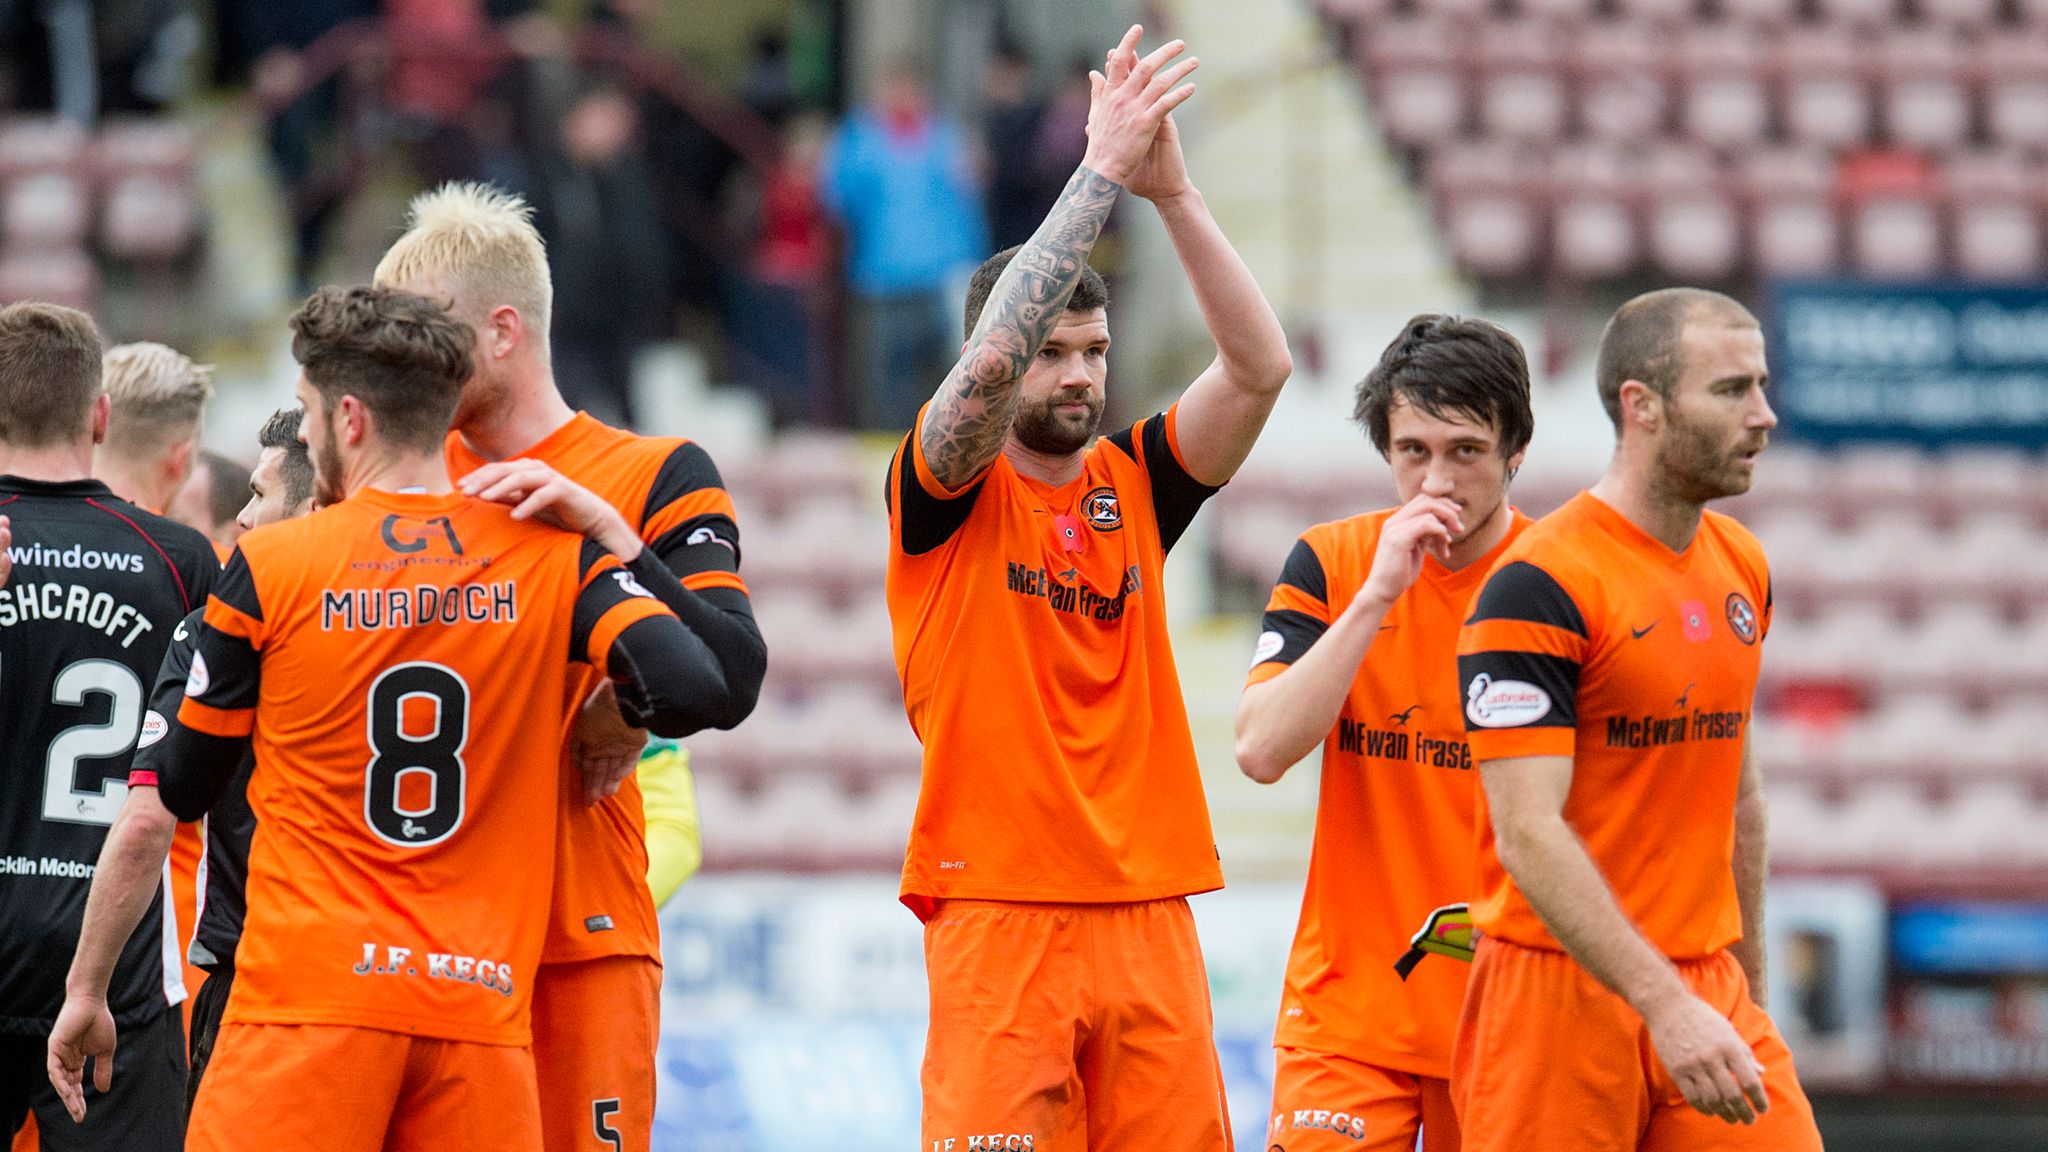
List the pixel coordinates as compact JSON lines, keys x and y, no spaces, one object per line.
{"x":1709,"y":1061}
{"x":1425,"y":525}
{"x":1127,"y":106}
{"x":535,"y":491}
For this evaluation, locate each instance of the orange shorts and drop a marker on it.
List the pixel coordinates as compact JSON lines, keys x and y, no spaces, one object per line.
{"x":328,"y":1088}
{"x":1069,"y":1027}
{"x":595,"y":1025}
{"x":1323,"y":1101}
{"x":1548,"y":1058}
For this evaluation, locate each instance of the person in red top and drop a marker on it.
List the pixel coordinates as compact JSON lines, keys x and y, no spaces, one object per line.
{"x":395,"y":909}
{"x":1359,"y":654}
{"x":1061,"y":823}
{"x":1609,"y":669}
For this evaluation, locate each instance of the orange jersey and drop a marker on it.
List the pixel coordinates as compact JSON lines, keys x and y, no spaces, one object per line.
{"x":1593,"y":640}
{"x":670,"y":491}
{"x":1394,"y":825}
{"x":1030,"y":636}
{"x":402,"y":660}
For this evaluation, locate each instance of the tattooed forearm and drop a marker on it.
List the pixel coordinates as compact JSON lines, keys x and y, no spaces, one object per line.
{"x":969,"y":417}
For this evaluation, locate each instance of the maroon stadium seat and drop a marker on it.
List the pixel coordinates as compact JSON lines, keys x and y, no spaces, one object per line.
{"x":58,"y":275}
{"x":1923,"y":82}
{"x":1593,"y":236}
{"x":1866,"y":13}
{"x":1997,"y":240}
{"x":1822,"y":89}
{"x":1897,"y":237}
{"x":1721,"y":70}
{"x":2015,"y":70}
{"x":1972,"y":14}
{"x":1695,"y":235}
{"x":1421,"y":105}
{"x":147,"y":217}
{"x":39,"y":144}
{"x":47,"y":209}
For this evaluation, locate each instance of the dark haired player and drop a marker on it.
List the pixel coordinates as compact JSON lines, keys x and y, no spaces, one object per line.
{"x":1358,"y":653}
{"x":1061,"y":824}
{"x":280,"y":488}
{"x":1616,"y":999}
{"x":96,"y":588}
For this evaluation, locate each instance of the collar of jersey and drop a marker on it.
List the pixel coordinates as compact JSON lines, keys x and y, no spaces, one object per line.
{"x":1634,"y":538}
{"x":54,"y":487}
{"x":410,"y":502}
{"x":581,"y":425}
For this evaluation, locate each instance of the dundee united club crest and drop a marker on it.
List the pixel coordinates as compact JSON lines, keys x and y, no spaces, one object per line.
{"x":1100,"y":509}
{"x":1741,"y":618}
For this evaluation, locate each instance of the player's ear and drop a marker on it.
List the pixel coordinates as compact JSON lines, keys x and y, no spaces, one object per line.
{"x":102,"y":410}
{"x":506,"y":328}
{"x":1641,"y":406}
{"x":178,"y":461}
{"x":1515,"y":462}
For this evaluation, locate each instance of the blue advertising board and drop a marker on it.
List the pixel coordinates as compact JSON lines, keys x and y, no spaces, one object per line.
{"x":1934,"y":364}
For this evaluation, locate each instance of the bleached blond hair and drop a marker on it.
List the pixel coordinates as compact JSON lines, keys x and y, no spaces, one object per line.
{"x":159,"y":396}
{"x":478,"y":244}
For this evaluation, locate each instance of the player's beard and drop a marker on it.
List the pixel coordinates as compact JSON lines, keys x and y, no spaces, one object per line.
{"x":1041,"y":428}
{"x":327,"y":469}
{"x":1698,"y":462}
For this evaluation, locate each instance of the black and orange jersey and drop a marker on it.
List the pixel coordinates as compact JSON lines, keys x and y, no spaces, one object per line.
{"x":1031,"y":639}
{"x":1594,"y":640}
{"x":97,"y":587}
{"x":671,"y":492}
{"x":1395,"y":814}
{"x":401,"y":661}
{"x":221,"y":873}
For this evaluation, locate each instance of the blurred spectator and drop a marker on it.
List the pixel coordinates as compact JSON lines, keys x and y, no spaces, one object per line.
{"x":1016,"y":192}
{"x":768,"y":86}
{"x":772,"y":310}
{"x":83,"y":59}
{"x":273,"y":38}
{"x":899,"y":177}
{"x":212,"y":497}
{"x":1062,"y":137}
{"x":595,"y":208}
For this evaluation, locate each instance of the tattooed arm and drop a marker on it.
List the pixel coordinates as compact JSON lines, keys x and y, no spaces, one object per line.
{"x":969,"y":417}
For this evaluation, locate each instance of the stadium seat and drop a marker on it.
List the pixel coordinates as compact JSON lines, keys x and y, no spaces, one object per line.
{"x":1522,"y":105}
{"x":40,"y":144}
{"x":1593,"y":237}
{"x":1796,"y":237}
{"x":59,"y":275}
{"x":1925,"y":101}
{"x":1822,"y":90}
{"x":148,"y":217}
{"x":1661,"y":11}
{"x":1881,"y":824}
{"x":1763,"y":16}
{"x":1997,"y":240}
{"x":1968,"y":14}
{"x":1695,"y":236}
{"x":1421,"y":105}
{"x":1622,"y":95}
{"x":1560,"y":12}
{"x":157,"y":146}
{"x":1861,"y":13}
{"x":46,"y":209}
{"x":1897,"y":238}
{"x":2015,"y":70}
{"x":1722,"y":72}
{"x":1883,"y":479}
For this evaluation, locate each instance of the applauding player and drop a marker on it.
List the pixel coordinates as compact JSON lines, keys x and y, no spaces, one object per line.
{"x":1609,"y":670}
{"x":405,"y":782}
{"x":1359,"y":654}
{"x":1061,"y":823}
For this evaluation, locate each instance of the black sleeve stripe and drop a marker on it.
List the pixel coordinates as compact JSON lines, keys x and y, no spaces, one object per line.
{"x":1521,"y":591}
{"x":1122,"y":439}
{"x":233,"y":670}
{"x":1176,"y":496}
{"x":1298,"y":632}
{"x":1557,"y":676}
{"x":1304,"y":570}
{"x":687,"y":469}
{"x":707,"y":543}
{"x":237,"y":587}
{"x":596,"y":598}
{"x":589,"y":556}
{"x":925,"y":520}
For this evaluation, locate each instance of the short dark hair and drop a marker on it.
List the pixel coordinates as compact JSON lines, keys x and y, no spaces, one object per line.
{"x":227,"y":486}
{"x":1641,"y":341}
{"x":49,"y":374}
{"x":1089,"y":294}
{"x":296,"y":465}
{"x":402,"y":355}
{"x":1450,"y":365}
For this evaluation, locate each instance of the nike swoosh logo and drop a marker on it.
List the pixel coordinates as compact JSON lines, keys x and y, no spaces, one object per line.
{"x":1639,"y":633}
